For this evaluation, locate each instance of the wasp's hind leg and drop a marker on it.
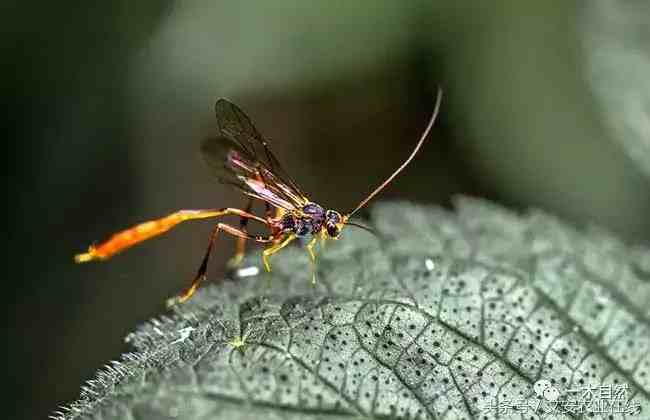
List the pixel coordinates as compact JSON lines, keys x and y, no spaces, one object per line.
{"x":240,"y":245}
{"x":203,"y":268}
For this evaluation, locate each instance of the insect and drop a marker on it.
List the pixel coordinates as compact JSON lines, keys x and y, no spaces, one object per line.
{"x":239,"y":156}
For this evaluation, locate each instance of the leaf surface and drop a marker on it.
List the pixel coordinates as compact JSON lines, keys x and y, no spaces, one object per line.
{"x":446,"y":317}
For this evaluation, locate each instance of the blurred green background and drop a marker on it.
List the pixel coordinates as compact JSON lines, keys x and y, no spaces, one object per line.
{"x":546,"y":105}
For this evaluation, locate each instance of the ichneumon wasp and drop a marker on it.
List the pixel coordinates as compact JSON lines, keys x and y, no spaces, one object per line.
{"x":239,"y":156}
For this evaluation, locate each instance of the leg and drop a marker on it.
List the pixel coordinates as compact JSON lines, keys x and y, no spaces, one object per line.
{"x":275,"y":248}
{"x":312,"y":255}
{"x":268,"y":210}
{"x":323,"y":238}
{"x":240,"y":246}
{"x":203,"y":268}
{"x":147,"y":230}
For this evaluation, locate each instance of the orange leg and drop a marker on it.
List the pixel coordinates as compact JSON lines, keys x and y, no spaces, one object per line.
{"x":147,"y":230}
{"x":240,"y":246}
{"x":203,"y":268}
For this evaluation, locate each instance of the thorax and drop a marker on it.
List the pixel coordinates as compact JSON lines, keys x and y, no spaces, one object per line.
{"x":308,"y":221}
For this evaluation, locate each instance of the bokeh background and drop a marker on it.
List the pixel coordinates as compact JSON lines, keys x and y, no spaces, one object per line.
{"x":547,"y":105}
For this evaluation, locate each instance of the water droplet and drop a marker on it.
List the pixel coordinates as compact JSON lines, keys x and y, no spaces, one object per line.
{"x":248,"y":271}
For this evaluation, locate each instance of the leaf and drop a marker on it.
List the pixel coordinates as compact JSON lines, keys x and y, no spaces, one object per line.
{"x":615,"y":40}
{"x":449,"y":313}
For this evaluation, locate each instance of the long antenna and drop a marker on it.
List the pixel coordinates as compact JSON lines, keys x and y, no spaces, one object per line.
{"x":364,"y":227}
{"x":423,"y":137}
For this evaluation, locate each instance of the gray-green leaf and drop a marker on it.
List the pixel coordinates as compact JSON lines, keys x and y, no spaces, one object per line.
{"x":446,"y":317}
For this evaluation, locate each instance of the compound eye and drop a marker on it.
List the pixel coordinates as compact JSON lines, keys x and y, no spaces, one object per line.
{"x":333,"y":230}
{"x":333,"y":216}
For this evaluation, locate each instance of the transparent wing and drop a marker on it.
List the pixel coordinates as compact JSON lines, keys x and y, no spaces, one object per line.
{"x":234,"y":124}
{"x":234,"y":164}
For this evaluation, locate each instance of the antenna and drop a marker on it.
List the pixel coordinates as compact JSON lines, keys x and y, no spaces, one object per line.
{"x":423,"y":137}
{"x":364,"y":227}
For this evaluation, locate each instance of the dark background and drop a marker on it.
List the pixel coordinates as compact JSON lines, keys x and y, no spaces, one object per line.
{"x":105,"y":105}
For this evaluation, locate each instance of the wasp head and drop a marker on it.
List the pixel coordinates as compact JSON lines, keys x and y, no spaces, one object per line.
{"x":333,"y":223}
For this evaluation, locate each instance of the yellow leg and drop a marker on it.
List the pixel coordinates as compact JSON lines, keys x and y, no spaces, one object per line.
{"x":275,"y":248}
{"x":310,"y":250}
